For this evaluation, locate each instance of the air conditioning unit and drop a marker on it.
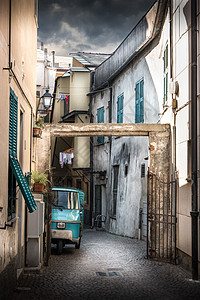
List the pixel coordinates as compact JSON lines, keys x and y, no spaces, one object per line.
{"x":36,"y":220}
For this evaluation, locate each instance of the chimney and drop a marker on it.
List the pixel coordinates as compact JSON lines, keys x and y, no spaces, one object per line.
{"x":42,"y":46}
{"x":53,"y":58}
{"x":45,"y":56}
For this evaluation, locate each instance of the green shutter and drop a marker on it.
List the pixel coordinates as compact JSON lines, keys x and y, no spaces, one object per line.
{"x":13,"y":124}
{"x":120,"y":104}
{"x":22,"y":184}
{"x":15,"y":166}
{"x":139,"y":102}
{"x":100,"y":119}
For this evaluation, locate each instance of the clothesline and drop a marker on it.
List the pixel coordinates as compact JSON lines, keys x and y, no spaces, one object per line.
{"x":65,"y":158}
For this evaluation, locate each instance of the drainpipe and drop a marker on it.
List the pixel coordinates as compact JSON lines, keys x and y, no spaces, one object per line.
{"x":91,"y":153}
{"x":53,"y":58}
{"x":174,"y":107}
{"x":9,"y":41}
{"x":194,"y":213}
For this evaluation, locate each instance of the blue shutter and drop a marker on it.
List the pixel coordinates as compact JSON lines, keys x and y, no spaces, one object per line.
{"x":137,"y":105}
{"x":139,"y":102}
{"x":15,"y":166}
{"x":117,"y":109}
{"x":120,"y":107}
{"x":100,"y":119}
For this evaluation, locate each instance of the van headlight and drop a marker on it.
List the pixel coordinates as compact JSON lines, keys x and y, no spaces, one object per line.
{"x":61,"y":225}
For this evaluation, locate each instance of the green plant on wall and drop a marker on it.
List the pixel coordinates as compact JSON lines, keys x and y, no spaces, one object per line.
{"x":39,"y":123}
{"x":39,"y":177}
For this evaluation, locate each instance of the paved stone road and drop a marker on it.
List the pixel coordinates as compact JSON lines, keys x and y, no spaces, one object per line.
{"x":107,"y":267}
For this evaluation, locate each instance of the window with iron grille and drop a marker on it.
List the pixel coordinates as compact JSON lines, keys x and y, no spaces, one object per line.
{"x":120,"y":107}
{"x":100,"y":119}
{"x":142,"y":170}
{"x":165,"y":75}
{"x":139,"y":102}
{"x":115,"y":189}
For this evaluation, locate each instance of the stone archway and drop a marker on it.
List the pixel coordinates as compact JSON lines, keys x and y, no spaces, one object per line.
{"x":159,"y":160}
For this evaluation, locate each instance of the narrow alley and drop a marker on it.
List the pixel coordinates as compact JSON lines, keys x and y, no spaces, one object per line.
{"x":107,"y":266}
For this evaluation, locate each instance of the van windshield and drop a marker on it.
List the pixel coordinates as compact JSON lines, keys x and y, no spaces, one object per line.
{"x":64,"y":199}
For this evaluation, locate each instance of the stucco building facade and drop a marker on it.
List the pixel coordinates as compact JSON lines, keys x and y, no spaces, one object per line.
{"x":18,"y":44}
{"x":146,"y":80}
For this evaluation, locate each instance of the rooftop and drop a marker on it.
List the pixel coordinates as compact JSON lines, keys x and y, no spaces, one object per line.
{"x":90,"y":59}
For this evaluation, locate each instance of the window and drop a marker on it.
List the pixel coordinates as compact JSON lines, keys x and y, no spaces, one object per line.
{"x":120,"y":105}
{"x":126,"y":170}
{"x":100,"y":119}
{"x":165,"y":75}
{"x":115,"y":188}
{"x":142,"y":170}
{"x":37,"y":94}
{"x":139,"y":102}
{"x":66,"y":200}
{"x":78,"y":184}
{"x":66,"y":104}
{"x":11,"y":195}
{"x":15,"y":171}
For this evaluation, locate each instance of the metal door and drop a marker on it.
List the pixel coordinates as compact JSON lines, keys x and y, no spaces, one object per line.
{"x":98,"y":201}
{"x":161,"y":217}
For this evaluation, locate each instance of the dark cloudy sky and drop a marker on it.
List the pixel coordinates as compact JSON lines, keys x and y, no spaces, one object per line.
{"x":87,"y":25}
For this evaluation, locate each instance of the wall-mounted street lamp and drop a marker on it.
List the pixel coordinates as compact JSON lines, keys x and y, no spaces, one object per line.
{"x":45,"y":104}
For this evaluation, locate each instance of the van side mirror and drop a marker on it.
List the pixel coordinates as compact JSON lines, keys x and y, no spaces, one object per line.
{"x":83,"y":204}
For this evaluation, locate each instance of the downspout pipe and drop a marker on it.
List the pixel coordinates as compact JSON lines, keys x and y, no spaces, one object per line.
{"x":194,"y":213}
{"x":91,"y":152}
{"x":9,"y":39}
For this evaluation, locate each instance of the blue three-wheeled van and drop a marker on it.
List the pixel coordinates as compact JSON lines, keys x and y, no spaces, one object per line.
{"x":67,"y":216}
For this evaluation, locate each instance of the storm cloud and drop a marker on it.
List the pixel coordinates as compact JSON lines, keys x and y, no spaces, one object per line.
{"x":87,"y":25}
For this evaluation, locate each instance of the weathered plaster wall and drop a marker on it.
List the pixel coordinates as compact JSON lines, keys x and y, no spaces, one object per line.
{"x":81,"y":147}
{"x":181,"y":74}
{"x":137,"y":37}
{"x":63,"y":87}
{"x":23,"y":58}
{"x":149,"y":67}
{"x":79,"y":87}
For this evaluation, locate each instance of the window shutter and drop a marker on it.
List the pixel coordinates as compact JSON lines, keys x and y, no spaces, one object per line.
{"x":141,"y":101}
{"x":137,"y":107}
{"x":13,"y":124}
{"x":22,"y":184}
{"x":14,"y":164}
{"x":120,"y":104}
{"x":122,"y":108}
{"x":100,"y":119}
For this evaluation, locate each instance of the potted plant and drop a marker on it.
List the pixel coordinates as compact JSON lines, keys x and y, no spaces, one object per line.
{"x":39,"y":181}
{"x":37,"y":129}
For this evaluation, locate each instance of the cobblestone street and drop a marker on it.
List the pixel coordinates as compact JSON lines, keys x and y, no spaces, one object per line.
{"x":107,"y":267}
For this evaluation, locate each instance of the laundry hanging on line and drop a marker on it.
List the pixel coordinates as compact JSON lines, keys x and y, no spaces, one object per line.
{"x":65,"y":158}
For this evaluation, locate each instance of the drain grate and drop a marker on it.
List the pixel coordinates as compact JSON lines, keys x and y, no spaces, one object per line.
{"x":110,"y":274}
{"x":101,"y":273}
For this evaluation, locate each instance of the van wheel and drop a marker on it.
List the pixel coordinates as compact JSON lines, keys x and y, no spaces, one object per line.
{"x":59,"y":247}
{"x":78,"y":244}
